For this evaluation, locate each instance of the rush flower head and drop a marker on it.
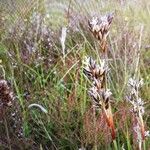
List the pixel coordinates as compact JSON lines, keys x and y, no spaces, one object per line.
{"x":106,"y":94}
{"x":138,"y":108}
{"x":96,"y":73}
{"x":100,"y":97}
{"x":135,"y":84}
{"x":93,"y":92}
{"x":101,"y":24}
{"x":100,"y":27}
{"x":93,"y":70}
{"x":99,"y":93}
{"x":138,"y":105}
{"x":133,"y":97}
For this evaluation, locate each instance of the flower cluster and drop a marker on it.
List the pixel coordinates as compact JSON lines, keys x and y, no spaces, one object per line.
{"x":138,"y":109}
{"x":137,"y":129}
{"x":96,"y":73}
{"x":100,"y":28}
{"x":133,"y":97}
{"x":99,"y":92}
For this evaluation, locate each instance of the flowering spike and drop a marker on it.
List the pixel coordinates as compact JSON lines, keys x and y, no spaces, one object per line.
{"x":100,"y":28}
{"x":100,"y":96}
{"x":138,"y":108}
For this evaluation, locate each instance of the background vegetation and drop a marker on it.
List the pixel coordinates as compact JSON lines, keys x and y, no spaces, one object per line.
{"x":32,"y":60}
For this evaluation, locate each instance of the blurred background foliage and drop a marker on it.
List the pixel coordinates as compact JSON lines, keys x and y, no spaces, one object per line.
{"x":32,"y":60}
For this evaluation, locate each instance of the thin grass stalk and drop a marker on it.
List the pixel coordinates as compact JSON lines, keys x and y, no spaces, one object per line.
{"x":144,"y":145}
{"x":128,"y":143}
{"x":108,"y":112}
{"x":7,"y":133}
{"x":128,"y":139}
{"x":95,"y":128}
{"x":115,"y":144}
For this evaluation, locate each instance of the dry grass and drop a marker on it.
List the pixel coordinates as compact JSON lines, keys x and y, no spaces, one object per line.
{"x":32,"y":61}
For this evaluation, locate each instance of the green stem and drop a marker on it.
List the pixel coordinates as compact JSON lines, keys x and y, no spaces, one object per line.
{"x":128,"y":139}
{"x":144,"y":145}
{"x":7,"y":133}
{"x":115,"y":144}
{"x":128,"y":143}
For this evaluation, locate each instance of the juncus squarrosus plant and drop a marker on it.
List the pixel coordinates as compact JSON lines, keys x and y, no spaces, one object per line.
{"x":133,"y":97}
{"x":97,"y":73}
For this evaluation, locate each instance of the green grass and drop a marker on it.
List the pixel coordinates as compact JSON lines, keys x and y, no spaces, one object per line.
{"x":62,"y":88}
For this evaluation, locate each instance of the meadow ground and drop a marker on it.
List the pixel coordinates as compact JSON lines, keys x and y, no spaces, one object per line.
{"x":43,"y":44}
